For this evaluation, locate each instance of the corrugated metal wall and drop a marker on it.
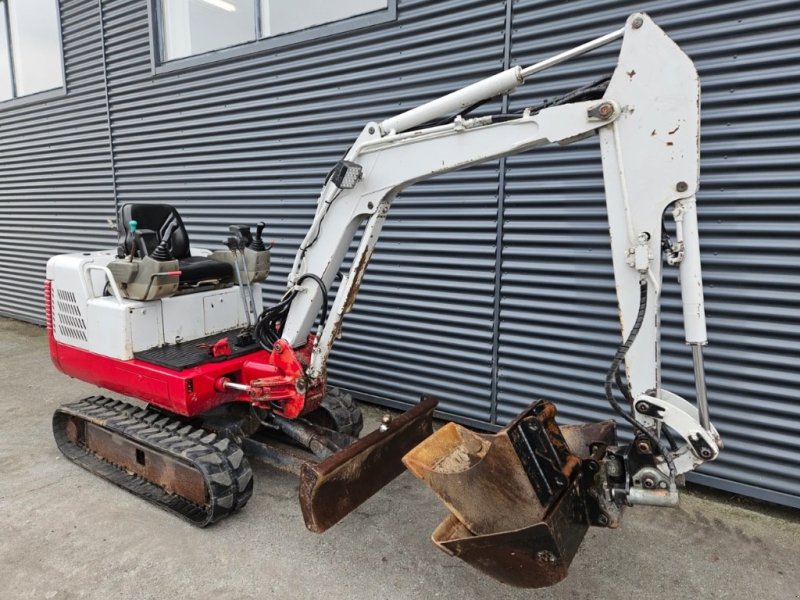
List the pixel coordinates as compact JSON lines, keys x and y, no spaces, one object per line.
{"x":514,"y":252}
{"x":56,"y":182}
{"x":253,"y":139}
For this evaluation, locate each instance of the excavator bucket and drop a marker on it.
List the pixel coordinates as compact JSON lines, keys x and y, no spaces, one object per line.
{"x":332,"y":488}
{"x":519,"y":499}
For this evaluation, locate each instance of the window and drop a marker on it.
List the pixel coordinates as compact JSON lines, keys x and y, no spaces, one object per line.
{"x":283,"y":16}
{"x":198,"y":26}
{"x":191,"y":27}
{"x":30,"y":48}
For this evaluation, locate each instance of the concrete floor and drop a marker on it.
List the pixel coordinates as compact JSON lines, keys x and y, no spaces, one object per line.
{"x":66,"y":534}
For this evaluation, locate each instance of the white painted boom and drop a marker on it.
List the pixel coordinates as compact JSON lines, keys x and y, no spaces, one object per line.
{"x":648,"y":123}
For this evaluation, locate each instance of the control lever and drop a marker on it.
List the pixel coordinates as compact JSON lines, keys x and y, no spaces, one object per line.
{"x":138,"y":245}
{"x":258,"y":244}
{"x":247,"y":277}
{"x":233,"y":245}
{"x":243,"y":239}
{"x":241,"y":232}
{"x":163,"y":251}
{"x":132,"y":227}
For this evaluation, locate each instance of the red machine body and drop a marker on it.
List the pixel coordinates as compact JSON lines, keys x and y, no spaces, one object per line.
{"x":274,"y":379}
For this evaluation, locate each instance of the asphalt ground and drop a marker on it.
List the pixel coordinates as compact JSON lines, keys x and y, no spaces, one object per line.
{"x":65,"y":534}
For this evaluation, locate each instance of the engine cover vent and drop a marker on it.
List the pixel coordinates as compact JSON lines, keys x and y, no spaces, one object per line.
{"x":68,"y":317}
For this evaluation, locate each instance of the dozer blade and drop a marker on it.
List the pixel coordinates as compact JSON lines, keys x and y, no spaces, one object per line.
{"x":332,"y":488}
{"x":518,"y":499}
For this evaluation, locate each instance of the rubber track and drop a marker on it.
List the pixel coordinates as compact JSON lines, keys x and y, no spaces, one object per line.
{"x":345,"y":413}
{"x":225,"y":470}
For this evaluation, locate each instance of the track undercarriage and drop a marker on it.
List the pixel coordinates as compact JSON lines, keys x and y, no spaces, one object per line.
{"x":198,"y":467}
{"x":197,"y":474}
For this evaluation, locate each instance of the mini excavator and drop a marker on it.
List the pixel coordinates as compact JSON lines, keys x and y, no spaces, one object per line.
{"x":224,"y":379}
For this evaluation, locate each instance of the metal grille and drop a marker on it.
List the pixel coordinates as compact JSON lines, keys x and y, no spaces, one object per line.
{"x":68,"y":317}
{"x":252,"y":138}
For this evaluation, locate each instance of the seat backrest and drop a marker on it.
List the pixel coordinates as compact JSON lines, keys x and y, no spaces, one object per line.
{"x":156,"y":218}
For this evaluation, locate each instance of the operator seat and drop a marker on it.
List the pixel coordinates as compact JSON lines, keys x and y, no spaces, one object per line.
{"x":153,"y":221}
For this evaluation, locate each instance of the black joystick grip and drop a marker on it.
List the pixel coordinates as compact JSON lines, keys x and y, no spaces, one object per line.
{"x":258,"y":243}
{"x":163,"y":251}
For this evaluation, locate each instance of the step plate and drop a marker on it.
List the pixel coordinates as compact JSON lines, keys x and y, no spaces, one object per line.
{"x":192,"y":353}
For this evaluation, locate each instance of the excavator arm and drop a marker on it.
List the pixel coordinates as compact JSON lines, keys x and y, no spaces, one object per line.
{"x":647,"y":118}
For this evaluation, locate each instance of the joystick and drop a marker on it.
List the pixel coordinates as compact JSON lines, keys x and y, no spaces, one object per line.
{"x":163,"y":251}
{"x":258,"y":244}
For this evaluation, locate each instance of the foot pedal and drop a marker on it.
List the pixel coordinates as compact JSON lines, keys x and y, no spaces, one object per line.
{"x":518,"y":501}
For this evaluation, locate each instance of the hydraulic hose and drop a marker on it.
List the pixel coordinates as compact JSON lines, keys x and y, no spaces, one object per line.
{"x":613,"y":374}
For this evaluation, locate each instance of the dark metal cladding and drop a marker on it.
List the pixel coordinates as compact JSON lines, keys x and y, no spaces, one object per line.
{"x":511,"y":255}
{"x":558,"y":323}
{"x":333,"y":488}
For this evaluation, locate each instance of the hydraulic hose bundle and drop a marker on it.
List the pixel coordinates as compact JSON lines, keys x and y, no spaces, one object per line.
{"x":269,"y":325}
